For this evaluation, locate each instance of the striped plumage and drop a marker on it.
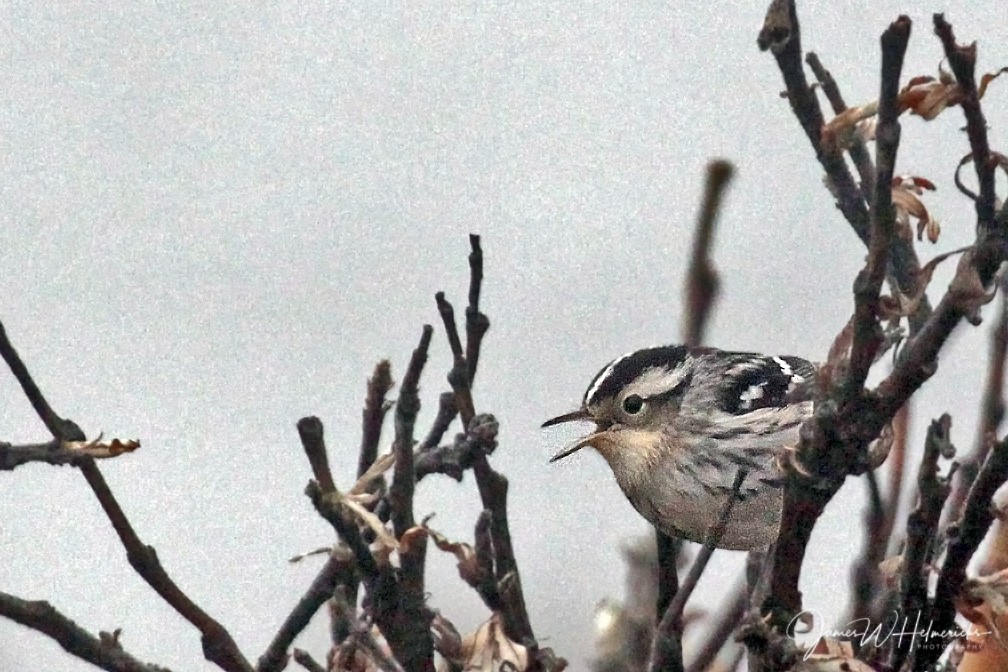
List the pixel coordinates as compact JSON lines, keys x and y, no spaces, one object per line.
{"x":676,"y":423}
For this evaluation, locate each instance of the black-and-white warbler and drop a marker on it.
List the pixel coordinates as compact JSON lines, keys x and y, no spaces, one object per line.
{"x":676,"y":424}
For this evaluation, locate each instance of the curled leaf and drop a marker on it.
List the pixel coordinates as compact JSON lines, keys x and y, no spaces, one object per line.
{"x":102,"y":449}
{"x":468,"y":565}
{"x":891,"y":569}
{"x":968,"y":290}
{"x":906,"y":190}
{"x":490,"y":650}
{"x":380,"y":466}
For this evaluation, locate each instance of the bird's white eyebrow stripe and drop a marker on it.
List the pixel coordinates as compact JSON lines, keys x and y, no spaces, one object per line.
{"x":785,"y":367}
{"x":605,"y":374}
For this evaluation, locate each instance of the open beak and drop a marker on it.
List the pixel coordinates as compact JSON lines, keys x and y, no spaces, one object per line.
{"x":578,"y":445}
{"x":589,"y":440}
{"x":581,"y":414}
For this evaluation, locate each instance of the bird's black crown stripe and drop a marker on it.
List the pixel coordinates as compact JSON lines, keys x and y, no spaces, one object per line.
{"x":621,"y":372}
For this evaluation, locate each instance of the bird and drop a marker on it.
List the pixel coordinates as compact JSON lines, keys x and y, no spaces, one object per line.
{"x":677,"y":423}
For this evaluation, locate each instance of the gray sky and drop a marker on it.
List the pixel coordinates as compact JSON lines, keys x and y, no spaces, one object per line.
{"x":216,"y":219}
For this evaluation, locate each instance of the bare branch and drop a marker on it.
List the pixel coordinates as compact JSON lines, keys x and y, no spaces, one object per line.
{"x":867,"y":332}
{"x":373,"y":415}
{"x":104,"y":651}
{"x":666,"y":649}
{"x":339,"y":569}
{"x":858,"y":150}
{"x":458,"y":376}
{"x":962,"y":60}
{"x":477,"y":323}
{"x":963,"y":541}
{"x":305,"y":660}
{"x":922,"y":526}
{"x":403,"y":477}
{"x":60,"y":428}
{"x":312,"y":440}
{"x":701,"y":278}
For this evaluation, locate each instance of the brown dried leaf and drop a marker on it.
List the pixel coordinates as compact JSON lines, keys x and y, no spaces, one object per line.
{"x":380,"y":466}
{"x":905,"y":192}
{"x":489,"y":649}
{"x":840,"y":131}
{"x":101,"y":450}
{"x":968,"y":290}
{"x":987,"y":79}
{"x":468,"y":565}
{"x":384,"y":538}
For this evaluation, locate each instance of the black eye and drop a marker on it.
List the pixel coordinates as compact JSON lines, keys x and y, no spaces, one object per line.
{"x":633,"y":404}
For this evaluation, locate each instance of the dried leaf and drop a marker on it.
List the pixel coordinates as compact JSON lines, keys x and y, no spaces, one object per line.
{"x":383,"y":536}
{"x":879,"y":449}
{"x":905,"y":192}
{"x":380,"y":466}
{"x":840,"y":131}
{"x":468,"y":565}
{"x":968,"y":290}
{"x":838,"y":358}
{"x":99,"y":449}
{"x":325,"y":550}
{"x":987,"y":79}
{"x":489,"y":650}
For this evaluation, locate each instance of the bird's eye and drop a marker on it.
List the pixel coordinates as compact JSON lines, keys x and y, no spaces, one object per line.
{"x":633,"y":404}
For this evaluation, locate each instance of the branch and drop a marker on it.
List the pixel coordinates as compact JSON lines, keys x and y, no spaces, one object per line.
{"x":52,"y":452}
{"x":477,"y":323}
{"x":922,"y":528}
{"x":781,"y":35}
{"x":61,"y":429}
{"x":729,"y":613}
{"x":666,"y":649}
{"x":963,"y":541}
{"x":702,"y":279}
{"x":962,"y":60}
{"x":329,"y":507}
{"x":403,"y":478}
{"x":373,"y":415}
{"x":992,"y":410}
{"x":858,"y":150}
{"x":311,"y":432}
{"x":305,"y":660}
{"x":867,"y":331}
{"x":218,"y":646}
{"x":458,"y":376}
{"x":339,"y":569}
{"x":104,"y":651}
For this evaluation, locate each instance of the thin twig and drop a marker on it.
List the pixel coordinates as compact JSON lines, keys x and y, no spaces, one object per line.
{"x":962,"y":60}
{"x":340,"y":568}
{"x":963,"y":541}
{"x":52,"y":452}
{"x":305,"y":660}
{"x":104,"y":651}
{"x":867,"y":331}
{"x":373,"y":415}
{"x":666,"y":649}
{"x":407,"y":408}
{"x":922,"y":526}
{"x":311,"y":432}
{"x":60,"y":428}
{"x":701,"y":278}
{"x":458,"y":376}
{"x":858,"y":150}
{"x":728,"y":614}
{"x":477,"y":323}
{"x":327,"y":505}
{"x":992,"y":410}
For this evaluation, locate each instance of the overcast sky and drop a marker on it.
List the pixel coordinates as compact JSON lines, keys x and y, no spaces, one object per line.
{"x":216,"y":219}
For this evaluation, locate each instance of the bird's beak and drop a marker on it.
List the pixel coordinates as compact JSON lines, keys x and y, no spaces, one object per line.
{"x":589,"y":440}
{"x":578,"y":445}
{"x":580,"y":414}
